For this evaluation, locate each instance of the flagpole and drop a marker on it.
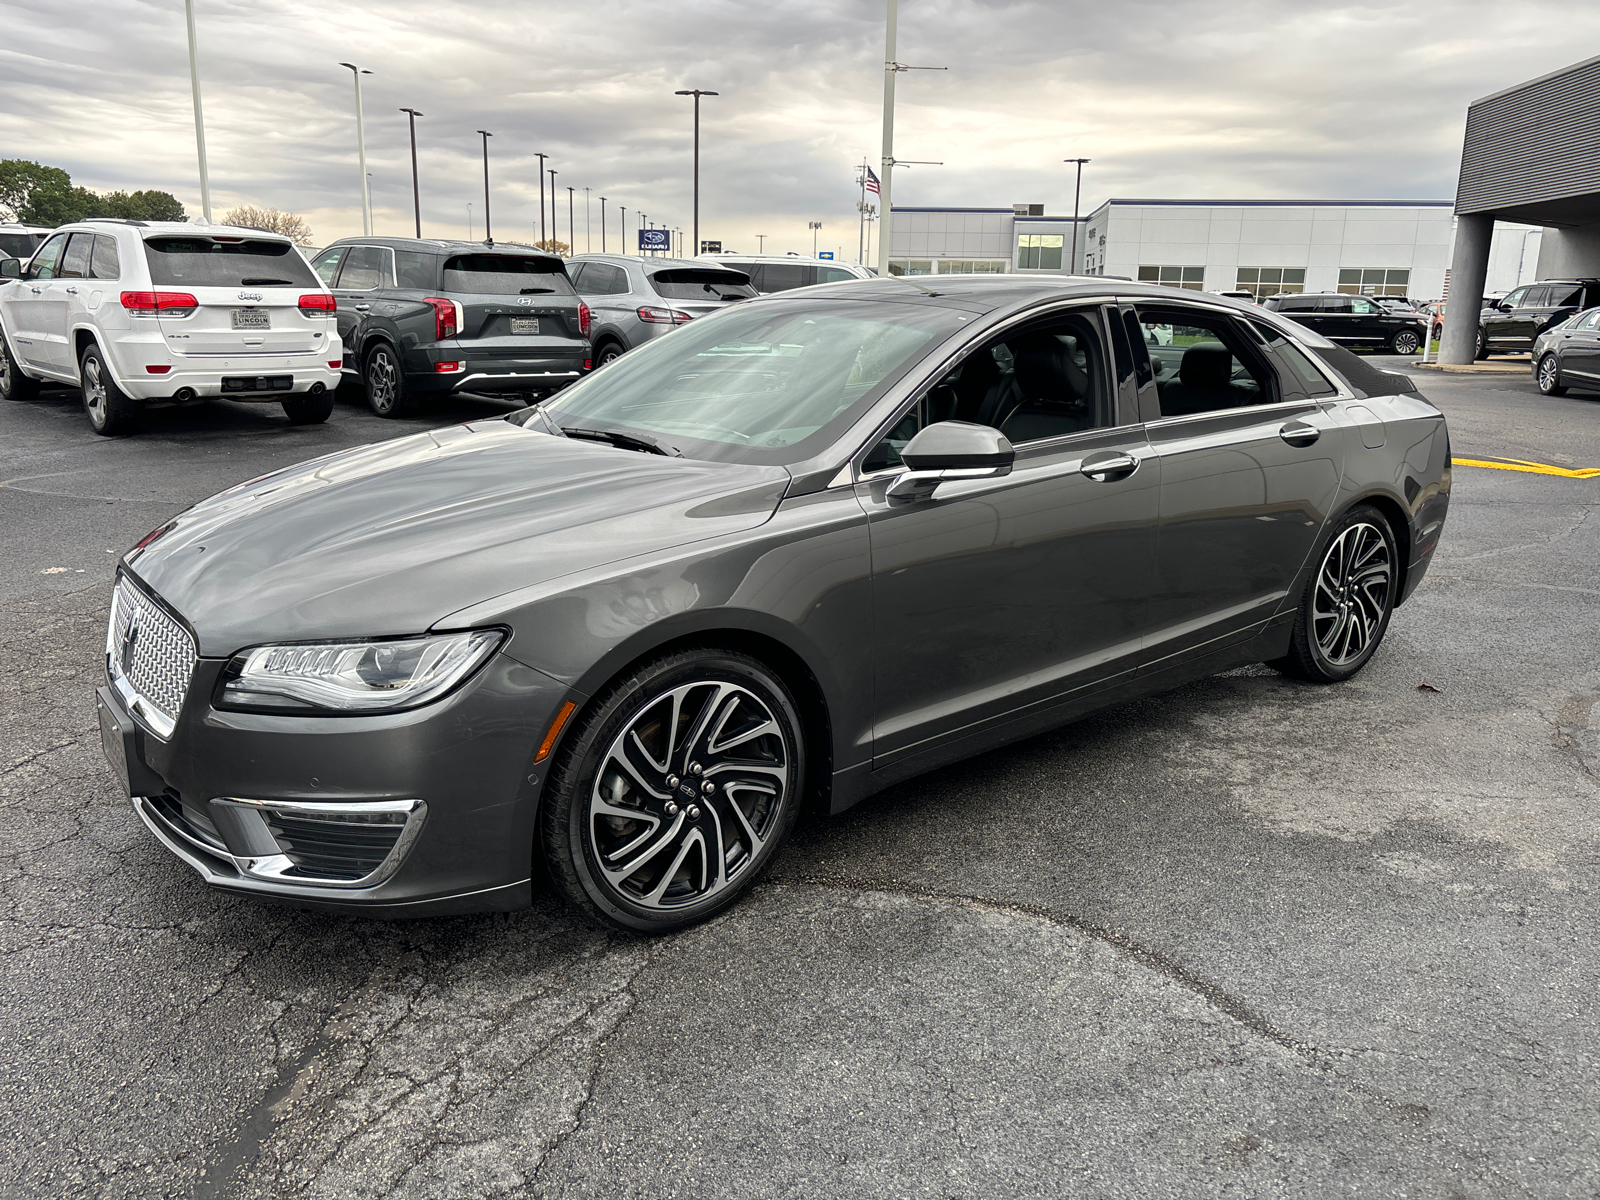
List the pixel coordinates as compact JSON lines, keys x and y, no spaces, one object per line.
{"x":861,"y":215}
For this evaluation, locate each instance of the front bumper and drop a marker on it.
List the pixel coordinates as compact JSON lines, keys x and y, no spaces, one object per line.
{"x":407,"y":814}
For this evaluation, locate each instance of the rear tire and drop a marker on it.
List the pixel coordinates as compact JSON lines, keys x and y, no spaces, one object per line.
{"x":14,"y":385}
{"x":1548,"y":375}
{"x":111,"y":411}
{"x":309,"y":410}
{"x":712,"y":782}
{"x":387,"y":393}
{"x":608,"y":352}
{"x":1345,"y":608}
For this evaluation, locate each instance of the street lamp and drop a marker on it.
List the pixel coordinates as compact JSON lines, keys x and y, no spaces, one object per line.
{"x":602,"y":224}
{"x":361,"y":150}
{"x":469,"y":220}
{"x":588,"y":225}
{"x":488,"y":232}
{"x":696,"y":93}
{"x":622,"y":228}
{"x":1072,"y":267}
{"x":891,"y":68}
{"x":552,"y":173}
{"x":416,"y":192}
{"x":572,"y":237}
{"x":543,"y":241}
{"x":761,"y":243}
{"x":199,"y":113}
{"x":814,"y":226}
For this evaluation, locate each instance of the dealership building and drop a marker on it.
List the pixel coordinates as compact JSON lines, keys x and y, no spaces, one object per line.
{"x":1384,"y":247}
{"x":1531,"y":155}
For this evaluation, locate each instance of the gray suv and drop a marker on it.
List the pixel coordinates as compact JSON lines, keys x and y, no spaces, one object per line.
{"x":635,"y":298}
{"x":422,"y":317}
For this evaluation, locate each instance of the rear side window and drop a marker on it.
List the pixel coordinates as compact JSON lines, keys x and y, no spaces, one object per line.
{"x":105,"y":264}
{"x":833,"y":275}
{"x":415,"y":270}
{"x":1203,"y":363}
{"x":1563,"y":296}
{"x":781,"y":277}
{"x":1312,"y":381}
{"x":75,"y":262}
{"x":699,"y":283}
{"x":506,"y":275}
{"x":226,"y":262}
{"x":604,"y":279}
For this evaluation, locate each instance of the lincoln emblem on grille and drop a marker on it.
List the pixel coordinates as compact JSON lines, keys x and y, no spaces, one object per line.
{"x":129,"y":640}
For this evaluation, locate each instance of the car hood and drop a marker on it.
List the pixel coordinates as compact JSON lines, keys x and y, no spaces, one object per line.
{"x":390,"y":538}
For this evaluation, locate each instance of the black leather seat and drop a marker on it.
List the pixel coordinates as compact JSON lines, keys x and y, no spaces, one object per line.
{"x":1204,"y":383}
{"x":1044,"y":374}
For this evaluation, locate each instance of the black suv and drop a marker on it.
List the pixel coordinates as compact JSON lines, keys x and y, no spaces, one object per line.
{"x":420,"y":317}
{"x":1513,"y":322}
{"x":1354,"y":321}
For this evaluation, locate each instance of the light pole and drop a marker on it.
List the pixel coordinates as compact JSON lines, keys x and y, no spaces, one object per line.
{"x":361,"y":151}
{"x":644,"y":223}
{"x":814,"y":226}
{"x":552,"y":173}
{"x":543,"y":241}
{"x":588,"y":225}
{"x":488,"y":230}
{"x":761,"y":243}
{"x":602,"y":224}
{"x":622,"y":228}
{"x":891,"y":68}
{"x":416,"y":190}
{"x":1077,"y":191}
{"x":199,"y":113}
{"x":469,"y":220}
{"x":696,"y":93}
{"x":572,"y":237}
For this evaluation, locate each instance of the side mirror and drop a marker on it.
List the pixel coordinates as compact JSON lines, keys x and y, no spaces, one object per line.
{"x":1503,"y":305}
{"x":951,"y":450}
{"x":10,"y":268}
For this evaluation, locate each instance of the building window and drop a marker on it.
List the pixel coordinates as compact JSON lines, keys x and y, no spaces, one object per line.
{"x":1262,"y":282}
{"x":911,"y":266}
{"x":973,"y":266}
{"x":1039,"y":251}
{"x":1192,"y":278}
{"x":1373,"y":281}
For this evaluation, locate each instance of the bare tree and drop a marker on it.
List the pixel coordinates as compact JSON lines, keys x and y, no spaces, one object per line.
{"x":272,"y":220}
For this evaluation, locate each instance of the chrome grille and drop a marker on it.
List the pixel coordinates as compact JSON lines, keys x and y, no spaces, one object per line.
{"x":149,"y":655}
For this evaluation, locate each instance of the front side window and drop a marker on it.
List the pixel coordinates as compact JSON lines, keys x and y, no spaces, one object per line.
{"x":1374,"y":281}
{"x":1039,"y":251}
{"x":1047,"y":380}
{"x":47,"y":259}
{"x":1190,"y":278}
{"x":366,"y":268}
{"x":759,"y":383}
{"x":1262,"y":282}
{"x":197,"y":261}
{"x":105,"y":264}
{"x":1203,"y":363}
{"x":327,"y":264}
{"x":485,"y":274}
{"x":75,"y":262}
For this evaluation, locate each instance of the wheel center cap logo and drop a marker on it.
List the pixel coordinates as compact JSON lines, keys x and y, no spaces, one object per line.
{"x":687,"y":789}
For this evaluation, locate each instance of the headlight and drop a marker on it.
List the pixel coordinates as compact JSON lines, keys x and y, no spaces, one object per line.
{"x":355,"y":677}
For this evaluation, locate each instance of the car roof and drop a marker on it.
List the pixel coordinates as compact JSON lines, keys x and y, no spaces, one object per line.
{"x":989,"y":293}
{"x":440,"y":245}
{"x":649,"y":263}
{"x":777,"y":258}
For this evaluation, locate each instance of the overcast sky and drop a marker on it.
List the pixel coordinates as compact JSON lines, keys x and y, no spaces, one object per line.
{"x":1170,"y":98}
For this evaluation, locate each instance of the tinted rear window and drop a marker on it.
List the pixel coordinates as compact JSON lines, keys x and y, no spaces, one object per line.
{"x":699,"y":283}
{"x":18,"y":245}
{"x":506,"y":275}
{"x":213,"y":262}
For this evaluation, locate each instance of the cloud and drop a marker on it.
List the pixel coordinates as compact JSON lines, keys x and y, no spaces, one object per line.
{"x":1254,"y":98}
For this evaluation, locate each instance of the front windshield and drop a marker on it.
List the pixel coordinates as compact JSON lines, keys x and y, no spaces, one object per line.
{"x":758,"y":382}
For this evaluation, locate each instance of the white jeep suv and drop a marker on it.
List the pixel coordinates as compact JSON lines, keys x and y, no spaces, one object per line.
{"x":146,"y":314}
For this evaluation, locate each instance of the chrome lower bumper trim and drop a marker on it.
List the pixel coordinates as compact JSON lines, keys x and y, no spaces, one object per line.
{"x":513,"y":377}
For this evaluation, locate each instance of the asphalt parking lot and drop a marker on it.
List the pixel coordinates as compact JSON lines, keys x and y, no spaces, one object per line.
{"x":1250,"y":937}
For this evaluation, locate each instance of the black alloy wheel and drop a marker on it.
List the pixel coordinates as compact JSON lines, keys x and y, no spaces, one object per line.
{"x":1548,"y":375}
{"x":1345,"y":609}
{"x":1407,"y":341}
{"x":14,"y":385}
{"x":111,"y":411}
{"x":309,"y":409}
{"x":675,"y":791}
{"x":387,"y":393}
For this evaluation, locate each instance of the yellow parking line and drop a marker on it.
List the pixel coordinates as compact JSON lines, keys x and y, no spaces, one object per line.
{"x":1532,"y":468}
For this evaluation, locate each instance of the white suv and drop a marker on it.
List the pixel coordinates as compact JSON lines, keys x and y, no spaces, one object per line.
{"x":783,"y":272}
{"x":143,"y":314}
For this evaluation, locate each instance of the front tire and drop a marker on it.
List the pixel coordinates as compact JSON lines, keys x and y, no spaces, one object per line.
{"x":111,"y":411}
{"x":1481,"y":352}
{"x":1548,"y":375}
{"x":308,"y":409}
{"x":675,"y":791}
{"x":1405,"y":342}
{"x":387,"y":393}
{"x":1345,"y":609}
{"x":14,"y":385}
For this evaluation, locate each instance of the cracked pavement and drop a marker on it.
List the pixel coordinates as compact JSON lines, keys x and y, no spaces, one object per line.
{"x":1245,"y":938}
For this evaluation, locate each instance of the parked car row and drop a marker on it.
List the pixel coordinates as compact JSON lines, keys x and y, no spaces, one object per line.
{"x":1354,"y":321}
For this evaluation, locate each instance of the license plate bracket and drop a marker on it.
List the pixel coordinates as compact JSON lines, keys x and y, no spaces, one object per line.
{"x":251,"y":318}
{"x":524,"y":325}
{"x":113,"y":743}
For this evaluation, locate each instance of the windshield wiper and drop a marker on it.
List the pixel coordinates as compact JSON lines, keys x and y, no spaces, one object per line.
{"x":623,"y":441}
{"x":263,"y":282}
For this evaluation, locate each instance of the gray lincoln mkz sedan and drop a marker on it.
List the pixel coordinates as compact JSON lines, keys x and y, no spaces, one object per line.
{"x":795,"y":551}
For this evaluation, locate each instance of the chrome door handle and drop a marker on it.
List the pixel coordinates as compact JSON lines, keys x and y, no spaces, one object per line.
{"x":36,"y":291}
{"x":71,"y":291}
{"x":362,"y":307}
{"x":1103,"y":468}
{"x":1298,"y":433}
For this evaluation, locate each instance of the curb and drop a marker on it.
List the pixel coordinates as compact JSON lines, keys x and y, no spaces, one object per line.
{"x":1521,"y":367}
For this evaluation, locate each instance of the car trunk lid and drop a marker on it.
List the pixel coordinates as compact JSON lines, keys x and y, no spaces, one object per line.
{"x":512,"y":304}
{"x":246,"y":294}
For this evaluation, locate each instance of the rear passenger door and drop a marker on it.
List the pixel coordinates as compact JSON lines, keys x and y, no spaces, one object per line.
{"x":606,"y":290}
{"x":1250,"y":469}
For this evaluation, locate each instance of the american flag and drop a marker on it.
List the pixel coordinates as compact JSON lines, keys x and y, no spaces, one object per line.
{"x":872,"y":183}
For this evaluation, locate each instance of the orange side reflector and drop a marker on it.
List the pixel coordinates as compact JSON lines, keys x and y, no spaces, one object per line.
{"x":550,"y":737}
